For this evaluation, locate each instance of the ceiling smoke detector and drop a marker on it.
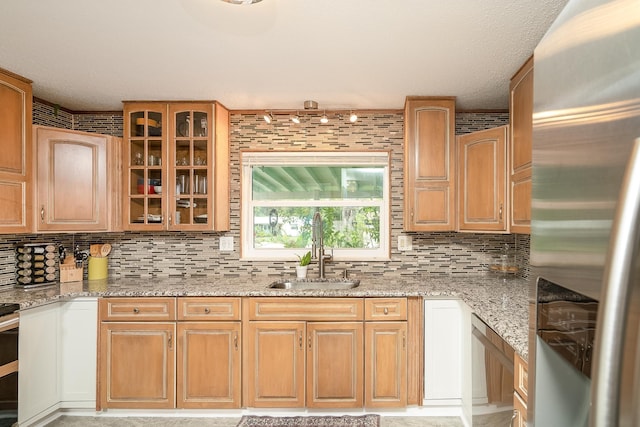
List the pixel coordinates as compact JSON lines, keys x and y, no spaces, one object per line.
{"x":310,"y":105}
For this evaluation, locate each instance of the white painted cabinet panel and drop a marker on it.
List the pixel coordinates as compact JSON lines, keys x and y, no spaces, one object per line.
{"x":443,"y":352}
{"x":38,"y":352}
{"x":78,"y":335}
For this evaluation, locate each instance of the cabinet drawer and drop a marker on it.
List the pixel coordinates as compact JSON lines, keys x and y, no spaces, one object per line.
{"x":137,"y":309}
{"x":381,"y":309}
{"x":520,"y":410}
{"x":208,"y":308}
{"x":329,"y":309}
{"x":521,"y":377}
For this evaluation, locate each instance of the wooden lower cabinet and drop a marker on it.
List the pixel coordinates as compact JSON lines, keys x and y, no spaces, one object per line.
{"x":325,"y":358}
{"x":151,"y":357}
{"x":276,"y":364}
{"x":137,"y":364}
{"x":385,"y":364}
{"x":334,"y":364}
{"x":208,"y":367}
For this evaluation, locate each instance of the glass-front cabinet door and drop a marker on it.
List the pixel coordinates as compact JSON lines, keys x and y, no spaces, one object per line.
{"x":171,"y":151}
{"x":191,"y":158}
{"x":144,"y":157}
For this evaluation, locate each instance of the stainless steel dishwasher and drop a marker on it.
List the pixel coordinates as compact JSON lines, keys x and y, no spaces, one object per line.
{"x":492,"y":377}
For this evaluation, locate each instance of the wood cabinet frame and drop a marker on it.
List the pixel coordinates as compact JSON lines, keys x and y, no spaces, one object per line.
{"x":16,"y":162}
{"x":429,"y":164}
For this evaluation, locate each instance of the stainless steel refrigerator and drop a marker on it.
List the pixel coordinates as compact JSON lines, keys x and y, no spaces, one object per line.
{"x":585,"y":235}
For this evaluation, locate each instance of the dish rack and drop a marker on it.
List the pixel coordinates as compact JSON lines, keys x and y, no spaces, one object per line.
{"x":36,"y":265}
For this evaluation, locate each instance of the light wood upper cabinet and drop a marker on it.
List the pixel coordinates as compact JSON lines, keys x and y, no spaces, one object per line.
{"x":176,"y":166}
{"x":16,"y":160}
{"x":429,"y":164}
{"x":77,"y":180}
{"x":482,"y":191}
{"x":521,"y":136}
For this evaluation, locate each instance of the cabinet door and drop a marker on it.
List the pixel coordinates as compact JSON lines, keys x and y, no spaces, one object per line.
{"x":443,"y":352}
{"x":429,"y":164}
{"x":144,"y":157}
{"x":334,"y":365}
{"x":72,"y":180}
{"x":386,"y":364}
{"x":78,"y":336}
{"x":520,"y":411}
{"x":276,"y":364}
{"x":521,"y":126}
{"x":208,"y":369}
{"x":482,"y":180}
{"x":38,"y":356}
{"x":15,"y":161}
{"x":191,"y":160}
{"x":137,"y":365}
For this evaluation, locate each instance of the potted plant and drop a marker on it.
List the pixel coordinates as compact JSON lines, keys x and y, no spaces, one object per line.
{"x":301,"y":268}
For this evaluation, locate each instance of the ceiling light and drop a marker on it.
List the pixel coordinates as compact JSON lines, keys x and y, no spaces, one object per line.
{"x":324,"y":119}
{"x":353,"y":117}
{"x":268,"y":117}
{"x":242,"y":1}
{"x":296,"y":119}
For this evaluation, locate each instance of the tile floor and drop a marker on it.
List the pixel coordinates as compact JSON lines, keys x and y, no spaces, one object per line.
{"x":80,"y":421}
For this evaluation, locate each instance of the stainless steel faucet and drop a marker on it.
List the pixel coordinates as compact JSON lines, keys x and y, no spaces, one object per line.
{"x":317,"y":244}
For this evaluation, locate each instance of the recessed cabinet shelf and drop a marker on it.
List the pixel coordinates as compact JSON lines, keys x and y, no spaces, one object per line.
{"x":176,"y":166}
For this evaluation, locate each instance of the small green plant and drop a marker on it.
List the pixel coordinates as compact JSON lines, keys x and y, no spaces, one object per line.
{"x":305,"y":259}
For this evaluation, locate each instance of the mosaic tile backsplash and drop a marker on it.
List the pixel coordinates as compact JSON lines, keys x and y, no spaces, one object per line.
{"x":196,"y":254}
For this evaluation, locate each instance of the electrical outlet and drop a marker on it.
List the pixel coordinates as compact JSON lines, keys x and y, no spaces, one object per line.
{"x":405,"y":243}
{"x":226,"y":243}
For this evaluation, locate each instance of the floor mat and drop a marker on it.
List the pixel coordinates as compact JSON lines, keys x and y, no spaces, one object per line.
{"x":370,"y":420}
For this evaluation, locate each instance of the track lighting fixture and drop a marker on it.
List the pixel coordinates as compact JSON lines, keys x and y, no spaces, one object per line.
{"x":268,"y":117}
{"x":296,"y":119}
{"x":242,"y":1}
{"x":353,"y":117}
{"x":324,"y":119}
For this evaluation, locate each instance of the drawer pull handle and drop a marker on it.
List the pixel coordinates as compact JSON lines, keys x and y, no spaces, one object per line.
{"x":300,"y":341}
{"x":309,"y":342}
{"x":235,"y":341}
{"x":170,"y":341}
{"x":42,"y":214}
{"x":207,"y":310}
{"x":136,"y":310}
{"x":386,"y":311}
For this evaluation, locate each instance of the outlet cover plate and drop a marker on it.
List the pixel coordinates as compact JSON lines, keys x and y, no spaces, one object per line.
{"x":405,"y":243}
{"x":226,"y":243}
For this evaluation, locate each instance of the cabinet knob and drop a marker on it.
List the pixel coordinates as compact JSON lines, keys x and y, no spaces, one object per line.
{"x":386,"y":310}
{"x":207,"y":310}
{"x":136,"y":310}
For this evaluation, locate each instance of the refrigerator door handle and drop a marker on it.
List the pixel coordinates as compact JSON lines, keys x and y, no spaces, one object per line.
{"x":618,"y":276}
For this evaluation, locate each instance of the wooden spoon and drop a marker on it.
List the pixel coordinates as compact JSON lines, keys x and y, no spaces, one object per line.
{"x":94,"y":250}
{"x":105,"y":249}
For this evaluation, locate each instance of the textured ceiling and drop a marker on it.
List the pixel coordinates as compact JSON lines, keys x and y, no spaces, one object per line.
{"x":92,"y":54}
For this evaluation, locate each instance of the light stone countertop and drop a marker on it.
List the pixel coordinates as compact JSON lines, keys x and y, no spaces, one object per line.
{"x":503,"y":305}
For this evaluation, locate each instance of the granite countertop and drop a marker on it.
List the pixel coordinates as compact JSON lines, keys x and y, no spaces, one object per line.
{"x":503,"y":305}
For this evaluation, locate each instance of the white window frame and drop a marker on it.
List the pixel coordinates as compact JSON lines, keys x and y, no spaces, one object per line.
{"x":249,"y":159}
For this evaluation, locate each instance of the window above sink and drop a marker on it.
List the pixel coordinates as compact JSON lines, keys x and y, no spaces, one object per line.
{"x":281,"y":192}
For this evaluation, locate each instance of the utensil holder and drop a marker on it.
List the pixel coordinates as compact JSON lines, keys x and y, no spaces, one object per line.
{"x":98,"y":268}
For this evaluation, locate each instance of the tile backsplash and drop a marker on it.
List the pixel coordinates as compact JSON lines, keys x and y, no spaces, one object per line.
{"x":196,"y":254}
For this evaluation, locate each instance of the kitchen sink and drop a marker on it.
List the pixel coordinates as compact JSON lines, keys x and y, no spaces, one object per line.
{"x":315,"y":284}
